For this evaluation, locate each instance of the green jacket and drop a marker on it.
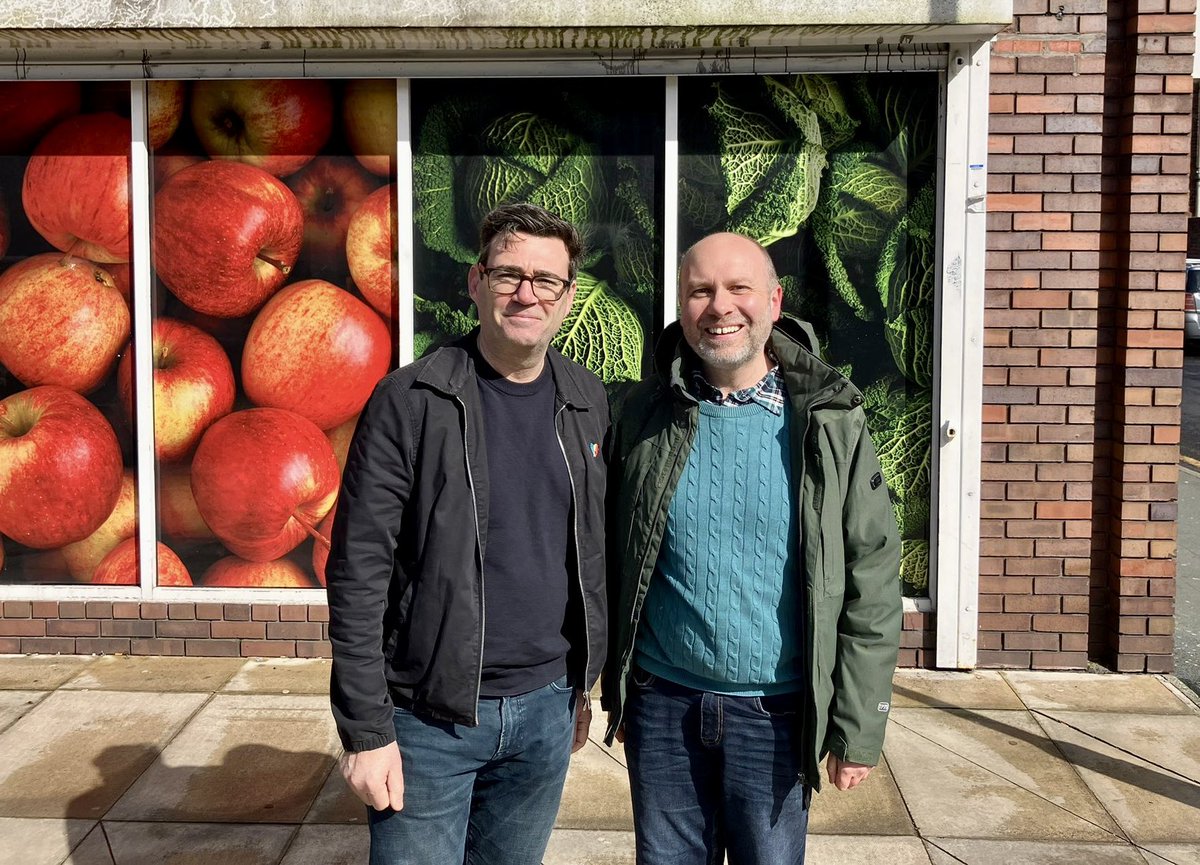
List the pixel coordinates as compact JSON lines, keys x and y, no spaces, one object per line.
{"x":849,"y":543}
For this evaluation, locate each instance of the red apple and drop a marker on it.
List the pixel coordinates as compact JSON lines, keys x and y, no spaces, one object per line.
{"x":371,"y":248}
{"x":62,"y":321}
{"x":120,"y":567}
{"x":29,"y":108}
{"x":225,"y":236}
{"x":234,"y":572}
{"x":122,"y":275}
{"x":76,"y":190}
{"x":5,"y":225}
{"x":60,"y":467}
{"x":193,"y":386}
{"x":177,"y":511}
{"x":340,"y":437}
{"x":164,"y":110}
{"x":277,"y":125}
{"x":316,"y":350}
{"x":82,"y":557}
{"x":320,"y":555}
{"x":329,"y":189}
{"x":369,"y":121}
{"x":169,"y":161}
{"x":263,"y":478}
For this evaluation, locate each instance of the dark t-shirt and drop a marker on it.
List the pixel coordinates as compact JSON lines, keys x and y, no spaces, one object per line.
{"x":529,"y":511}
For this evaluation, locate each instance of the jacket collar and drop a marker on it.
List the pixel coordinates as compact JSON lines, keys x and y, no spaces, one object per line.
{"x":795,"y":345}
{"x":451,"y":367}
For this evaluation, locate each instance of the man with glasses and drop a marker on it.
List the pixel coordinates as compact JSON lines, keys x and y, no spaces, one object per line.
{"x":466,"y":571}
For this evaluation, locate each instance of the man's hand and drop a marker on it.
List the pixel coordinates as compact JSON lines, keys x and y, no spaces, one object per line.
{"x":375,"y":776}
{"x":583,"y":719}
{"x":845,"y":775}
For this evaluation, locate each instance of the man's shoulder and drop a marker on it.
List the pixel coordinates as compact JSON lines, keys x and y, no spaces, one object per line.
{"x":635,"y":401}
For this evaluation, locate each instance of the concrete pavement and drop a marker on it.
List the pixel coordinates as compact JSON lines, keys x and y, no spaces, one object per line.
{"x":166,"y":761}
{"x":1187,"y":579}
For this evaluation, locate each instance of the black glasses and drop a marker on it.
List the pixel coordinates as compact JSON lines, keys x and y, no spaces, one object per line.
{"x":506,"y":280}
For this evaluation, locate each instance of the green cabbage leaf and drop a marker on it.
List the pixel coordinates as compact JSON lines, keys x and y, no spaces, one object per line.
{"x":905,"y":282}
{"x":772,"y":167}
{"x":602,"y":332}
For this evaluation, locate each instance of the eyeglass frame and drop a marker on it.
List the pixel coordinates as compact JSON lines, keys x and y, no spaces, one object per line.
{"x":512,"y":271}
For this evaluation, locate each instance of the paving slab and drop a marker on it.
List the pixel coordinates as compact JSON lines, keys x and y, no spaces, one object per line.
{"x":14,"y":704}
{"x":93,"y":851}
{"x":282,"y":676}
{"x":1171,"y":854}
{"x":1093,"y":692}
{"x":76,"y":752}
{"x":329,"y":845}
{"x":988,"y":774}
{"x":585,"y":847}
{"x":1172,"y":742}
{"x":39,"y":672}
{"x":25,"y":841}
{"x":336,"y":803}
{"x":858,"y":850}
{"x":182,"y":844}
{"x":596,"y":793}
{"x":1112,"y":754}
{"x":151,"y":673}
{"x":838,"y":812}
{"x":243,"y":759}
{"x":959,"y":851}
{"x":938,"y":689}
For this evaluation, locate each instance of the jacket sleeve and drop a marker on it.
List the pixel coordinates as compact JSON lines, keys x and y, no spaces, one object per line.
{"x":868,"y":632}
{"x":376,"y":484}
{"x":610,"y":698}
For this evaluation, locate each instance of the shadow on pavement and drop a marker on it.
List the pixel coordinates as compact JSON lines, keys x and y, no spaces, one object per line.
{"x":1169,"y":786}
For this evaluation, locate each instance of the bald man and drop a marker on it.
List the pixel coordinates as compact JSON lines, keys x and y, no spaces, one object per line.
{"x":753,"y":575}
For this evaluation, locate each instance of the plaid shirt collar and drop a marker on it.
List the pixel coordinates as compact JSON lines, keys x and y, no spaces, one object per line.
{"x":767,"y":392}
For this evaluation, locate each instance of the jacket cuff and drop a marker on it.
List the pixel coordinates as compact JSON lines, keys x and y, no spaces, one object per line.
{"x":866,"y":756}
{"x":369,"y":744}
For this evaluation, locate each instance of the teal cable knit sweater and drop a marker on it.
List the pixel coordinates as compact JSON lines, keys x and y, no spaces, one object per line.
{"x":721,"y":613}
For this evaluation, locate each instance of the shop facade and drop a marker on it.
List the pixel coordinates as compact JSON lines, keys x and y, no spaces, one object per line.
{"x":223,"y":228}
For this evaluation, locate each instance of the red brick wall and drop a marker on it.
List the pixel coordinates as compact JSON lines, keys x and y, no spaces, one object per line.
{"x":1088,"y":172}
{"x":132,"y":628}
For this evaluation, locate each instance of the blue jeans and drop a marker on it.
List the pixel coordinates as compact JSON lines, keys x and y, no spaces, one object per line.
{"x":711,"y":773}
{"x":485,"y":795}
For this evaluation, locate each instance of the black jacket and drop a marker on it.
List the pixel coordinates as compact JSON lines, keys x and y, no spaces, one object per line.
{"x":404,"y":575}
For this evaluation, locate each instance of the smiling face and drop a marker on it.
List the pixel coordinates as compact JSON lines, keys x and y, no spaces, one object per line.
{"x":728,"y":300}
{"x":520,"y":324}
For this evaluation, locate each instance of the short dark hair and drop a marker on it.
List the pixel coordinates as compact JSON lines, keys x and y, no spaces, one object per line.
{"x":509,"y":219}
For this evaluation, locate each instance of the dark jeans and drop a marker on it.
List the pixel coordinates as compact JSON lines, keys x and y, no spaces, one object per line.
{"x":711,"y":774}
{"x":485,"y":795}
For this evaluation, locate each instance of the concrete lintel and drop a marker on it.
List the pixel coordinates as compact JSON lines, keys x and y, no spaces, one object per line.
{"x":499,"y":14}
{"x":151,"y":45}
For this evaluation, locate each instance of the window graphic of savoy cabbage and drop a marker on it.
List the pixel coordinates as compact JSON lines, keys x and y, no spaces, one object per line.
{"x":836,"y":176}
{"x":589,"y":150}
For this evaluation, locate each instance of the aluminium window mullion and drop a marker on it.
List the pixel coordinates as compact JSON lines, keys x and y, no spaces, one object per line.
{"x":142,"y":295}
{"x":670,"y":233}
{"x":405,"y":225}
